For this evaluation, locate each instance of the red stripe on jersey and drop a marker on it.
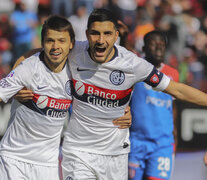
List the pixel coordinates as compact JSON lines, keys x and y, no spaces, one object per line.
{"x":154,"y":178}
{"x":50,"y":102}
{"x":102,"y":92}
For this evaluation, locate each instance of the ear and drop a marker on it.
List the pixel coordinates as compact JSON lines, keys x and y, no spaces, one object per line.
{"x":87,"y":33}
{"x":71,"y":45}
{"x":117,"y":35}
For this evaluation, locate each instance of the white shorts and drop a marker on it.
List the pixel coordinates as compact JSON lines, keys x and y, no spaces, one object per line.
{"x":79,"y":165}
{"x":12,"y":169}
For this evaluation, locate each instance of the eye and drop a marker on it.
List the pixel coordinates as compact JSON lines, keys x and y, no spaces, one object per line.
{"x":94,"y":33}
{"x":108,"y":33}
{"x":49,"y":40}
{"x":62,"y":40}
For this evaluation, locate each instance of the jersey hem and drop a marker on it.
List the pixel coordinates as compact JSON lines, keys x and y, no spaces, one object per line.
{"x":28,"y":161}
{"x":95,"y":152}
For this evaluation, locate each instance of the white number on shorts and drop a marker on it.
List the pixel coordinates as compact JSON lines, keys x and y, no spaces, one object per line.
{"x":164,"y":164}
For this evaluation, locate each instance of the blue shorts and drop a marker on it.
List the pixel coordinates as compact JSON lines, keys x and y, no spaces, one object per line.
{"x":156,"y":164}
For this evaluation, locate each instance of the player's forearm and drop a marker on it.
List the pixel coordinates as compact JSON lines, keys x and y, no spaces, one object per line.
{"x":186,"y":93}
{"x":19,"y":60}
{"x":205,"y":158}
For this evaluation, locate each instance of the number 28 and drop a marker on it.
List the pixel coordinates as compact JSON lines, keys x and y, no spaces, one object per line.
{"x":164,"y":163}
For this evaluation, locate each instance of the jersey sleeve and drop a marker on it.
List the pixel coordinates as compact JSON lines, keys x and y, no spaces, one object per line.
{"x":15,"y":81}
{"x":150,"y":75}
{"x":141,"y":68}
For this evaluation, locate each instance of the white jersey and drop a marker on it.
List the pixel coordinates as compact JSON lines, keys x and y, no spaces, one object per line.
{"x":35,"y":127}
{"x":101,"y":93}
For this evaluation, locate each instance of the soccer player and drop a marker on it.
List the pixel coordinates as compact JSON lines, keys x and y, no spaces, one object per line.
{"x":151,"y":133}
{"x":103,"y":76}
{"x":30,"y":147}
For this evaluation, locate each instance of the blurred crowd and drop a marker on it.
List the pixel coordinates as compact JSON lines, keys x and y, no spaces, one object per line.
{"x":183,"y":21}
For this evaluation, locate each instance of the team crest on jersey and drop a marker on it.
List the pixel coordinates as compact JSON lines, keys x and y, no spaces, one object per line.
{"x":68,"y":87}
{"x":117,"y":77}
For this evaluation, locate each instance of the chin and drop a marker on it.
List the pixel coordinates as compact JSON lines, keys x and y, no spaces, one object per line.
{"x":100,"y":60}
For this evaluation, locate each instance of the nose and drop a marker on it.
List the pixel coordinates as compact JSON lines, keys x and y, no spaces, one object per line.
{"x":55,"y":45}
{"x":101,"y":38}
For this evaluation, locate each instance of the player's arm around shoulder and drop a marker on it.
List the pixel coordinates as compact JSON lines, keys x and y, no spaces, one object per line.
{"x":25,"y":94}
{"x":205,"y":158}
{"x":25,"y":56}
{"x":186,"y":93}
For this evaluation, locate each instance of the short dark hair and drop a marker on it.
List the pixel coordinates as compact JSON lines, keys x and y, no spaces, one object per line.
{"x":148,"y":36}
{"x":57,"y":23}
{"x":102,"y":15}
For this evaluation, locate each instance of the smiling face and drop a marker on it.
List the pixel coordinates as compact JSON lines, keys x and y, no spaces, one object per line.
{"x":101,"y":37}
{"x":57,"y":45}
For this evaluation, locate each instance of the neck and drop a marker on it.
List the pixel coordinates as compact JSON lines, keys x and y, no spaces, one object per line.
{"x":111,"y":55}
{"x":153,"y":62}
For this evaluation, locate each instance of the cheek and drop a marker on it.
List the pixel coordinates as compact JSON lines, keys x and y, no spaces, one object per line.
{"x":91,"y":44}
{"x":111,"y":41}
{"x":65,"y":50}
{"x":46,"y":47}
{"x":92,"y":40}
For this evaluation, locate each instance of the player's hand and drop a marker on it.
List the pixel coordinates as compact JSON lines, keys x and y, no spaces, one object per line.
{"x":124,"y":121}
{"x":205,"y":158}
{"x":24,"y":95}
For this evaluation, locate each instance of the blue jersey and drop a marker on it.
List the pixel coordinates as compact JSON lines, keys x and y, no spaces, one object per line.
{"x":152,"y":113}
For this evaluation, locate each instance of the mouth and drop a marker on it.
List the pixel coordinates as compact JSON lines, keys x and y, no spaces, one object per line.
{"x":100,"y":51}
{"x":55,"y":54}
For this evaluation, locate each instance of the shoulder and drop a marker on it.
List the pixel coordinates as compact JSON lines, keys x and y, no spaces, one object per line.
{"x":133,"y":59}
{"x":31,"y":61}
{"x":127,"y":55}
{"x":28,"y":67}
